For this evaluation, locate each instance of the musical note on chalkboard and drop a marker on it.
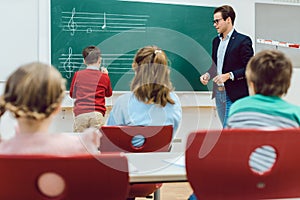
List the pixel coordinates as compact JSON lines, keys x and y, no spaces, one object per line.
{"x":72,"y":24}
{"x":102,"y":22}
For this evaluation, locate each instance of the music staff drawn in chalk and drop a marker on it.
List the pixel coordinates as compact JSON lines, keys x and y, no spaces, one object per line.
{"x":71,"y":62}
{"x":118,"y":63}
{"x":102,"y":22}
{"x":72,"y":24}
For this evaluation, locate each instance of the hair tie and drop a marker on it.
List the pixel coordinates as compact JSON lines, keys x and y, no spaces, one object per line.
{"x":157,"y":51}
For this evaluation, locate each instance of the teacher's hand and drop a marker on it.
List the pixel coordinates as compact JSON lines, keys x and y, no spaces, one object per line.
{"x":222,"y":78}
{"x":204,"y":78}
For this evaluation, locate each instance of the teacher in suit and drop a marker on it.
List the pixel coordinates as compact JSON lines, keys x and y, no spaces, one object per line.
{"x":231,"y":52}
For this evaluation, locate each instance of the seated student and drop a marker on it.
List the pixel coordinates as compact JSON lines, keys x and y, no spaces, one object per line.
{"x":269,"y":75}
{"x":33,"y":94}
{"x":89,"y":88}
{"x":151,"y":100}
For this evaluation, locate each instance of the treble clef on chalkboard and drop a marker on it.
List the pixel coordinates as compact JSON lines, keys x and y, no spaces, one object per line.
{"x":72,"y":24}
{"x":68,"y":65}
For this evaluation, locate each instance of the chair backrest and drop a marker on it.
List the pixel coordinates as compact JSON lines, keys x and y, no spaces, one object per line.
{"x":73,"y":177}
{"x":217,"y":164}
{"x":119,"y":138}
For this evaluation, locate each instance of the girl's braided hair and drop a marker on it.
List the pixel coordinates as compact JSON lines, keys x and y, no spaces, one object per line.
{"x":33,"y":91}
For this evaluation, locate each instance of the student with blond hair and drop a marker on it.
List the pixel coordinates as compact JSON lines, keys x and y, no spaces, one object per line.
{"x":33,"y":94}
{"x":152,"y":100}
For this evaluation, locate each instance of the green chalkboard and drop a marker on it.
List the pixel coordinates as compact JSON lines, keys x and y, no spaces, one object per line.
{"x":120,"y":28}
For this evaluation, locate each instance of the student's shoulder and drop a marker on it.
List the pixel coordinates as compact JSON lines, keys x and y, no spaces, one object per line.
{"x":174,"y":96}
{"x":4,"y":145}
{"x":79,"y":72}
{"x":243,"y":102}
{"x":125,"y":97}
{"x":104,"y":75}
{"x":87,"y":71}
{"x":294,"y":107}
{"x":244,"y":99}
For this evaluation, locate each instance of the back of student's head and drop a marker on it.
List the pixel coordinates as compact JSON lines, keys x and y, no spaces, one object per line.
{"x":91,"y":54}
{"x":151,"y":83}
{"x":270,"y":71}
{"x":33,"y":91}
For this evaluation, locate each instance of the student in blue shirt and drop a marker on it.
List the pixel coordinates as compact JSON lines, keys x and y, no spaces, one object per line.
{"x":151,"y":100}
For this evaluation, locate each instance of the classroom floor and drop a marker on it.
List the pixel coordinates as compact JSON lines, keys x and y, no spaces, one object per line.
{"x":174,"y":191}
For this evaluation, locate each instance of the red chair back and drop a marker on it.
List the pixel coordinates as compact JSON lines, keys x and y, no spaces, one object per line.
{"x":119,"y":138}
{"x":217,"y":164}
{"x":84,"y":177}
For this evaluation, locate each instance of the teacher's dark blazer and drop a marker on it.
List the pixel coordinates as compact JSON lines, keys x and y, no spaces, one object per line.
{"x":238,"y":53}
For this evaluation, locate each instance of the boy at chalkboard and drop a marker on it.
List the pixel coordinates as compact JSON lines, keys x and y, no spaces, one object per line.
{"x":89,"y":88}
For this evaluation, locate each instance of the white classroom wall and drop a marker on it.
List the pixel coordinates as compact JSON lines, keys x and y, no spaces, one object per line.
{"x":28,"y":32}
